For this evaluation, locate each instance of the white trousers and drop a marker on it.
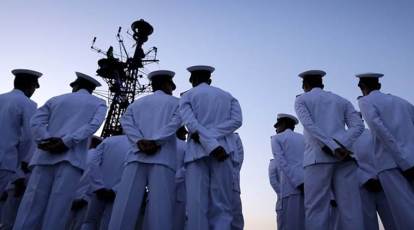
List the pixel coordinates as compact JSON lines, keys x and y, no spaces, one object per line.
{"x":179,"y":210}
{"x":129,"y":199}
{"x":97,"y":215}
{"x":400,"y":195}
{"x":209,"y":185}
{"x":9,"y":211}
{"x":373,"y":202}
{"x":47,"y":200}
{"x":321,"y":180}
{"x":292,"y":215}
{"x":238,"y":220}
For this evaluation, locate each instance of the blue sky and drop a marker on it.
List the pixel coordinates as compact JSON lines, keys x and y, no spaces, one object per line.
{"x":257,"y":47}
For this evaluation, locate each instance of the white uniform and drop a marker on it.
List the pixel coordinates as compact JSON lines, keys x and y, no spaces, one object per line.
{"x":288,"y":148}
{"x":372,"y":202}
{"x":214,"y":114}
{"x":324,"y":116}
{"x":105,"y":171}
{"x":274,"y":179}
{"x":237,"y":158}
{"x":83,"y":192}
{"x":146,"y":118}
{"x":179,"y":212}
{"x":74,"y":117}
{"x":391,"y":121}
{"x":16,"y":142}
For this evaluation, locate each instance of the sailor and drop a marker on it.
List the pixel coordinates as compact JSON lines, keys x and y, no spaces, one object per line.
{"x":274,"y":178}
{"x":152,"y":160}
{"x":61,"y":128}
{"x":16,"y":109}
{"x":179,"y":212}
{"x":327,"y":161}
{"x":211,"y":116}
{"x":237,"y":158}
{"x":105,"y":170}
{"x":372,"y":196}
{"x":391,"y":121}
{"x":288,"y":148}
{"x":83,"y":195}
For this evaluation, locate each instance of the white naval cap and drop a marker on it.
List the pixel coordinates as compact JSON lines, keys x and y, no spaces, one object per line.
{"x":201,"y":68}
{"x":166,"y":73}
{"x":26,"y":72}
{"x":88,"y":78}
{"x":369,"y":75}
{"x":285,"y":115}
{"x":312,"y":73}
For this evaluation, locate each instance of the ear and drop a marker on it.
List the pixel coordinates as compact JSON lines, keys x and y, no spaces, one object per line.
{"x":209,"y":81}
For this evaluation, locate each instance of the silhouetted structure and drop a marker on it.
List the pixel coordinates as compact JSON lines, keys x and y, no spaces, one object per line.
{"x":123,"y":74}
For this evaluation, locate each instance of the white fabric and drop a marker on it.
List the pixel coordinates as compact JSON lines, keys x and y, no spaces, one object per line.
{"x":105,"y":171}
{"x":168,"y":73}
{"x":88,"y":78}
{"x":293,"y":214}
{"x":9,"y":210}
{"x":400,"y":195}
{"x":74,"y":117}
{"x":47,"y":200}
{"x":98,"y":215}
{"x":153,"y":117}
{"x":107,"y":162}
{"x":391,"y":121}
{"x":373,"y":202}
{"x":288,"y":148}
{"x":237,"y":158}
{"x":324,"y":116}
{"x":284,"y":115}
{"x":129,"y":199}
{"x":214,"y":114}
{"x":274,"y":179}
{"x":209,"y":186}
{"x":342,"y":178}
{"x":16,"y":142}
{"x":179,"y":210}
{"x":364,"y":150}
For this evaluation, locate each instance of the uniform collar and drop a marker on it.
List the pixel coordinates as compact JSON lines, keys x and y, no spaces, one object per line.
{"x":316,"y":89}
{"x":159,"y":92}
{"x":18,"y":91}
{"x":83,"y":91}
{"x":373,"y":92}
{"x":286,"y":131}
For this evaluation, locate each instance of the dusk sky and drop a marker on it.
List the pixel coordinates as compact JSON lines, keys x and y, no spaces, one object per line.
{"x":258,"y":48}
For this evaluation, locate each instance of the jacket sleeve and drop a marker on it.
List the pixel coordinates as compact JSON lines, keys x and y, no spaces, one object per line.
{"x":208,"y":142}
{"x":307,"y":122}
{"x":131,"y":128}
{"x":170,"y":129}
{"x":377,"y":126}
{"x":232,"y":124}
{"x":280,"y":157}
{"x":274,"y":177}
{"x":354,"y":124}
{"x":88,"y":129}
{"x":40,"y":121}
{"x":26,"y":143}
{"x":93,"y":170}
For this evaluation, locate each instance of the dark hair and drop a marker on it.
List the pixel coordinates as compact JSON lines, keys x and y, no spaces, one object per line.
{"x":24,"y":82}
{"x":370,"y":83}
{"x":313,"y":82}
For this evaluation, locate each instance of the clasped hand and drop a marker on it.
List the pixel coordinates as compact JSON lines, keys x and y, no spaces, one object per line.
{"x":53,"y":145}
{"x":148,"y":147}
